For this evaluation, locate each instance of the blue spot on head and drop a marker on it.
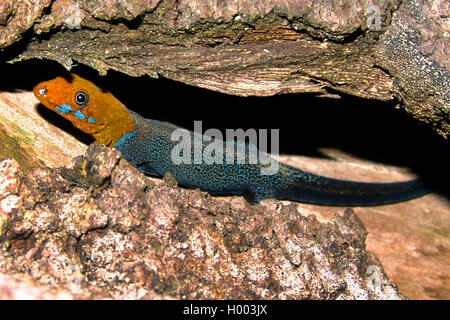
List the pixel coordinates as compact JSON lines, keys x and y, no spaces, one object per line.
{"x":64,"y":108}
{"x":79,"y":115}
{"x":91,"y":120}
{"x":124,"y":138}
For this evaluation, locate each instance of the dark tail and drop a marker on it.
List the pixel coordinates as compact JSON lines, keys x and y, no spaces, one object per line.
{"x":315,"y":189}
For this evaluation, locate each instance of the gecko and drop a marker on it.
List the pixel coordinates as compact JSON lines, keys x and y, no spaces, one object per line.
{"x":147,"y":145}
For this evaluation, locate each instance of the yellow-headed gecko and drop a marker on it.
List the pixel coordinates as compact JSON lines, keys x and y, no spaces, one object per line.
{"x":147,"y":144}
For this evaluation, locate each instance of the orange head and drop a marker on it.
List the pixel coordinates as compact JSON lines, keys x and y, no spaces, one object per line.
{"x":90,"y":109}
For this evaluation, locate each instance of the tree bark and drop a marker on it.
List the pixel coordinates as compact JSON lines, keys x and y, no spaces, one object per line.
{"x":380,"y":50}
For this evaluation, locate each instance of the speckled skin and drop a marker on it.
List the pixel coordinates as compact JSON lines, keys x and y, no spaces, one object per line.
{"x":147,"y":145}
{"x":149,"y":149}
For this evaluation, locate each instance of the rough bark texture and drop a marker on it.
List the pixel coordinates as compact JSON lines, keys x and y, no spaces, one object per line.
{"x":101,"y":229}
{"x":415,"y":52}
{"x":250,"y":47}
{"x":30,"y":139}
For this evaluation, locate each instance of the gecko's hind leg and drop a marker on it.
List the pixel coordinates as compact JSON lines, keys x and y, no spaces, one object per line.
{"x":256,"y":195}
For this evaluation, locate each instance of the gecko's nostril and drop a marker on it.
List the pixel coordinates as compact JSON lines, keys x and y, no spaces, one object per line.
{"x":42,"y":91}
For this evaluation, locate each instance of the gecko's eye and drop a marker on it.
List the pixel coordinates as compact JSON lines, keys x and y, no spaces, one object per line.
{"x":81,"y":98}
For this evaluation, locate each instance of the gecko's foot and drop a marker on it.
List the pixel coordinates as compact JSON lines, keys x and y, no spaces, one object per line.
{"x":170,"y":180}
{"x":254,"y":197}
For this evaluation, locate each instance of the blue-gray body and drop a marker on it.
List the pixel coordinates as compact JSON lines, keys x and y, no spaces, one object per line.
{"x":149,"y":148}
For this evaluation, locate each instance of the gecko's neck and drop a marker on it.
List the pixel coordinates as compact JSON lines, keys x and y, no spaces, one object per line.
{"x":117,"y":126}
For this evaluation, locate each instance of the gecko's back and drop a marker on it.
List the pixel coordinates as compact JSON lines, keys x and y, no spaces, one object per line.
{"x":150,"y":148}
